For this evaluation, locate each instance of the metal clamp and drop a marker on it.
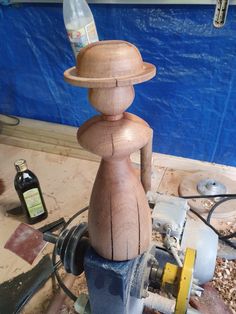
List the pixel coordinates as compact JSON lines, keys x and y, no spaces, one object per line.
{"x":221,"y":11}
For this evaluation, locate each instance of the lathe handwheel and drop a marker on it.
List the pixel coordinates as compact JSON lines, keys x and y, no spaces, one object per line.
{"x":185,"y":282}
{"x":71,"y":247}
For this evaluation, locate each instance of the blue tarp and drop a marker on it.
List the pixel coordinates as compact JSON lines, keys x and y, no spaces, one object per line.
{"x":190,"y":104}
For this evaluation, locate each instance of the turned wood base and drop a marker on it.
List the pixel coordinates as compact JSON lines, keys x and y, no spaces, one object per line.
{"x":119,"y":215}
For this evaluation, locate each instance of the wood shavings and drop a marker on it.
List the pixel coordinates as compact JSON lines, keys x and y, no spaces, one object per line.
{"x":157,"y":236}
{"x":224,"y":281}
{"x":79,"y":286}
{"x":229,"y":228}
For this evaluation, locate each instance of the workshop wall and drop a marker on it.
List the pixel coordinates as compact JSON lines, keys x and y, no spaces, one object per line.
{"x":189,"y":104}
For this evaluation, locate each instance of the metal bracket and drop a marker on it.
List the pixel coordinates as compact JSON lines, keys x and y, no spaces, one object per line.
{"x":221,"y":11}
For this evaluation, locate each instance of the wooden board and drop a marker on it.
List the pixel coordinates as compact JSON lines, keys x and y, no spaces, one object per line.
{"x":61,"y":139}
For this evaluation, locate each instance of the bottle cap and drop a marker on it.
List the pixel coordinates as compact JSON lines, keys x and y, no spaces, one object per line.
{"x":20,"y":165}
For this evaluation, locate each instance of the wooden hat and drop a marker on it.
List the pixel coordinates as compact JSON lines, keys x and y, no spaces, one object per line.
{"x":109,"y":63}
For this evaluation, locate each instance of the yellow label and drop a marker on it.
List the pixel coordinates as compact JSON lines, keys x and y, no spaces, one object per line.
{"x":82,"y":37}
{"x":33,"y":202}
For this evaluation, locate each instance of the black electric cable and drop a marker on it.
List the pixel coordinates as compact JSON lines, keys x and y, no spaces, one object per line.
{"x":222,"y":237}
{"x":60,"y":282}
{"x":216,"y":205}
{"x":227,"y":197}
{"x":216,"y":231}
{"x":229,"y":236}
{"x":23,"y":302}
{"x":17,"y":120}
{"x":208,"y":196}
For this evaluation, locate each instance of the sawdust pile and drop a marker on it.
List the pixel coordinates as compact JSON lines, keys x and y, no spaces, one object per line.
{"x":225,"y":281}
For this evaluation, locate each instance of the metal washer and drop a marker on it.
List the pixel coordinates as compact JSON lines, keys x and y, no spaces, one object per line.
{"x":211,"y":187}
{"x":191,"y":184}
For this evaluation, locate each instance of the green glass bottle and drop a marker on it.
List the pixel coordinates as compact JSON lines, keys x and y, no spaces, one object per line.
{"x":30,"y":194}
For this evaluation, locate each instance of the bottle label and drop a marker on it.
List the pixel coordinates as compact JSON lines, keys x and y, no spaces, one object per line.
{"x":33,"y":202}
{"x":82,"y":37}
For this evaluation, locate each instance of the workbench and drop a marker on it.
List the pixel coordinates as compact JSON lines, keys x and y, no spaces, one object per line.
{"x":66,"y":183}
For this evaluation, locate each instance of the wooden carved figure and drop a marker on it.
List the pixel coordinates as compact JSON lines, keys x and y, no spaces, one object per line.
{"x":119,"y":216}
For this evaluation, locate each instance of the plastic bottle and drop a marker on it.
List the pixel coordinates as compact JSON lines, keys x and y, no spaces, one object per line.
{"x":79,"y":24}
{"x":29,"y":192}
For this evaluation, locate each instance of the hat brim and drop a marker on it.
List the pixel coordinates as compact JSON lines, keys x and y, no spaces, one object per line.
{"x":148,"y":72}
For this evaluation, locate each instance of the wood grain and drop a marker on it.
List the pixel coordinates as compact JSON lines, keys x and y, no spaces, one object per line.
{"x":119,"y":216}
{"x":111,"y":101}
{"x":110,"y":63}
{"x":113,"y":138}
